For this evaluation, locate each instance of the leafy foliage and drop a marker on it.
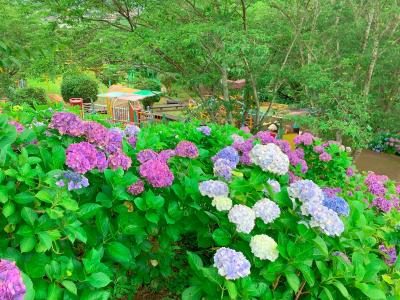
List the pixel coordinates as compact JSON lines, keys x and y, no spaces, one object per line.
{"x":29,"y":96}
{"x":79,"y":86}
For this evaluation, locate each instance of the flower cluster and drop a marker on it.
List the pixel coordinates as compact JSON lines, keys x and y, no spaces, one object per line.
{"x":244,"y":147}
{"x":165,"y":155}
{"x":204,"y":130}
{"x":270,"y":158}
{"x":267,"y":210}
{"x":12,"y":286}
{"x":96,"y":133}
{"x":312,"y":199}
{"x":136,"y":188}
{"x":119,"y":159}
{"x":186,"y":149}
{"x":83,"y":157}
{"x":222,"y":203}
{"x":222,"y":168}
{"x":264,"y":247}
{"x":231,"y":264}
{"x":390,"y":254}
{"x":377,"y":186}
{"x":157,"y":173}
{"x":146,"y":155}
{"x":243,"y":217}
{"x":213,"y":188}
{"x":325,"y":156}
{"x":72,"y":180}
{"x":306,"y":139}
{"x":275,"y":186}
{"x":229,"y":154}
{"x":18,"y":126}
{"x":131,"y":131}
{"x":265,"y":137}
{"x":337,"y":204}
{"x":67,"y":123}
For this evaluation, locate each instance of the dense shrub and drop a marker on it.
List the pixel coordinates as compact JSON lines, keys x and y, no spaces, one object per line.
{"x":90,"y":215}
{"x":110,"y":75}
{"x":144,"y":83}
{"x":386,"y":142}
{"x":30,"y":96}
{"x":79,"y":86}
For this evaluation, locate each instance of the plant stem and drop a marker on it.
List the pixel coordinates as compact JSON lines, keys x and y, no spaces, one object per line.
{"x":299,"y":292}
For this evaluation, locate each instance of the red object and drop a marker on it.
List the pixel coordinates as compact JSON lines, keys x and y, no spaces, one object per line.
{"x":76,"y":101}
{"x":237,"y":84}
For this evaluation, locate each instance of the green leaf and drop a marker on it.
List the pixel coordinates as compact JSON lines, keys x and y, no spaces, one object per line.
{"x":45,"y":242}
{"x":152,"y":217}
{"x":153,"y":201}
{"x":119,"y":252}
{"x":29,"y":216}
{"x":98,"y":280}
{"x":231,"y":287}
{"x":88,"y":210}
{"x":342,"y":289}
{"x":293,"y":280}
{"x":195,"y":261}
{"x":212,"y":275}
{"x":326,"y":294}
{"x":370,"y":291}
{"x":70,"y":286}
{"x":308,"y":274}
{"x":140,"y":203}
{"x":221,"y":237}
{"x":192,"y":293}
{"x":321,"y":245}
{"x":58,"y":156}
{"x":30,"y":291}
{"x":95,"y":295}
{"x":54,"y":292}
{"x":69,"y":203}
{"x":45,"y":196}
{"x":24,"y":198}
{"x":27,"y":244}
{"x":8,"y":209}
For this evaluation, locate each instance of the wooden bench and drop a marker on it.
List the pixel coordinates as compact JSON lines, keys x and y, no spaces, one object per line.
{"x":169,"y":107}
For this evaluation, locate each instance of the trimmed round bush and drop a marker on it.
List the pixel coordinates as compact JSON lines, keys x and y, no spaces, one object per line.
{"x":29,"y":95}
{"x":79,"y":86}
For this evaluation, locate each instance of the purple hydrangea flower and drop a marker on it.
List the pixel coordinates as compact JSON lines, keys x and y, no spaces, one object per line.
{"x":96,"y":133}
{"x":186,"y":149}
{"x":231,"y":264}
{"x":245,"y":129}
{"x":276,"y":187}
{"x":349,"y":171}
{"x":102,"y":162}
{"x":12,"y":286}
{"x":325,"y":156}
{"x":324,"y":218}
{"x":132,"y":141}
{"x":265,"y":137}
{"x":390,"y":254}
{"x":73,"y":180}
{"x":67,"y":123}
{"x":146,"y":155}
{"x":305,"y":139}
{"x":119,"y":159}
{"x":398,"y":189}
{"x":243,"y":217}
{"x":319,"y":149}
{"x":331,"y":192}
{"x":164,"y":155}
{"x":82,"y":157}
{"x":213,"y":188}
{"x":267,"y":210}
{"x":285,"y":146}
{"x":114,"y":140}
{"x":136,"y":188}
{"x":337,"y":204}
{"x":131,"y":130}
{"x":157,"y":173}
{"x":18,"y":126}
{"x":204,"y":130}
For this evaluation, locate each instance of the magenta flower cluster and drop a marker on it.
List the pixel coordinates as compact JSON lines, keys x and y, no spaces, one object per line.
{"x":136,"y":188}
{"x":157,"y":173}
{"x":83,"y":157}
{"x":186,"y":149}
{"x":389,"y":253}
{"x":18,"y":126}
{"x":12,"y":286}
{"x":306,"y":139}
{"x":67,"y":123}
{"x":376,"y":185}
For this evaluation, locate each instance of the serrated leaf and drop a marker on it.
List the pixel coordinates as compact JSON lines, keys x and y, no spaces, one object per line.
{"x":70,"y":286}
{"x":98,"y":280}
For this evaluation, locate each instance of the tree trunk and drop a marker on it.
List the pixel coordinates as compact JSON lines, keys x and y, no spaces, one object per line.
{"x":370,"y":72}
{"x":225,"y":89}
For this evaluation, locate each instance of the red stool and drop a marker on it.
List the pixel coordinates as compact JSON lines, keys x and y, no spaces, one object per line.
{"x":76,"y":101}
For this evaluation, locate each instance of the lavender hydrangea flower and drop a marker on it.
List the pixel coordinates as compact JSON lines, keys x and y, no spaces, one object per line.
{"x":382,"y":203}
{"x":67,"y":123}
{"x":319,"y":149}
{"x":146,"y":155}
{"x":390,"y":254}
{"x":337,"y":204}
{"x":276,"y":187}
{"x":73,"y":180}
{"x":267,"y":210}
{"x":222,"y":168}
{"x":331,"y":192}
{"x":132,"y":141}
{"x":102,"y":162}
{"x":114,"y":140}
{"x":324,"y":218}
{"x":204,"y":130}
{"x":119,"y":159}
{"x":12,"y":286}
{"x":231,"y":264}
{"x":265,"y":137}
{"x":349,"y":171}
{"x":157,"y":173}
{"x":18,"y":126}
{"x":229,"y":154}
{"x":306,"y":191}
{"x":186,"y":149}
{"x":243,"y":217}
{"x":270,"y":158}
{"x":131,"y":131}
{"x":81,"y":157}
{"x":213,"y":188}
{"x":96,"y":133}
{"x":136,"y":188}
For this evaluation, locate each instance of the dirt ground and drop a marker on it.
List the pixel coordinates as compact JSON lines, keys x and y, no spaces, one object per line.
{"x":380,"y":163}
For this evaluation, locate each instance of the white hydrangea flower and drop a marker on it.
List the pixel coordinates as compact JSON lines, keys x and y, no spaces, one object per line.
{"x":243,"y":216}
{"x":222,"y":203}
{"x":264,"y":247}
{"x":267,"y":210}
{"x":270,"y":158}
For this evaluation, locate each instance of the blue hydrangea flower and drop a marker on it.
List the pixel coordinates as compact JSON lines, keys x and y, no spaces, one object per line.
{"x":326,"y":219}
{"x":213,"y":188}
{"x":131,"y":130}
{"x":231,"y":264}
{"x":229,"y":153}
{"x":73,"y":180}
{"x":267,"y":210}
{"x":337,"y":204}
{"x":205,"y":130}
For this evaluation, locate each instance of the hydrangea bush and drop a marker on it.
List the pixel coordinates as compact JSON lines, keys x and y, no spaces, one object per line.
{"x":92,"y":210}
